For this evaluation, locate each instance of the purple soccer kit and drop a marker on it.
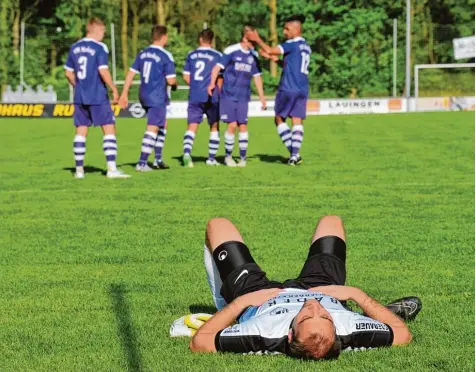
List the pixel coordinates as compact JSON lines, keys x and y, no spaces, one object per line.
{"x":293,"y":91}
{"x":155,"y":65}
{"x":239,"y":66}
{"x":91,"y":102}
{"x":199,"y":65}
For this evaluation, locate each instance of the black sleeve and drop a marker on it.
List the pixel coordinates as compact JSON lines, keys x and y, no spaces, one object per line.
{"x":248,"y":343}
{"x":366,"y":336}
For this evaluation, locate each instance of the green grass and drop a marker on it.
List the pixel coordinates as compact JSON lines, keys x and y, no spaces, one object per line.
{"x":94,"y":271}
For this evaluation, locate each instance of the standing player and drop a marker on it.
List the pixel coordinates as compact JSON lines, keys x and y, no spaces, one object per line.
{"x":293,"y":88}
{"x":240,"y":64}
{"x":197,"y":74}
{"x":157,"y":69}
{"x":87,"y":71}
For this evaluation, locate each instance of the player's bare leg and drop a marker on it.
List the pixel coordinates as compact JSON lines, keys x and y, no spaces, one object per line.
{"x":230,"y":143}
{"x":329,"y":226}
{"x":243,"y":144}
{"x":79,"y":149}
{"x":110,"y":151}
{"x":213,"y":144}
{"x":284,"y":131}
{"x":188,"y":140}
{"x":297,"y":135}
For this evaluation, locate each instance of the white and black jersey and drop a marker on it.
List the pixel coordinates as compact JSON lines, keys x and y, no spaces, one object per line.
{"x":264,"y":329}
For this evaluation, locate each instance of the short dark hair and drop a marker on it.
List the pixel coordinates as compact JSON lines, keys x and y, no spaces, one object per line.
{"x":207,"y":35}
{"x":94,"y":21}
{"x":158,"y":31}
{"x":311,"y":348}
{"x":296,"y":18}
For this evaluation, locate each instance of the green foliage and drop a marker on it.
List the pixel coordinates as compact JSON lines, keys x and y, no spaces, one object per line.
{"x":94,"y":271}
{"x":351,"y":41}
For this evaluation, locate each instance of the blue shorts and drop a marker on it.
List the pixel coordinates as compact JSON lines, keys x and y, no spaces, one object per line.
{"x":97,"y":115}
{"x":231,"y":111}
{"x":156,"y":116}
{"x":196,"y":110}
{"x":290,"y":104}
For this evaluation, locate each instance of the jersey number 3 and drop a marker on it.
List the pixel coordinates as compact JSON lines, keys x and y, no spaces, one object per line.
{"x":82,"y":63}
{"x":200,"y":66}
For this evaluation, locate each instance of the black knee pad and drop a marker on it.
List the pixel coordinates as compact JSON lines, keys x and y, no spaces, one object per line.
{"x":332,"y":245}
{"x":230,"y":255}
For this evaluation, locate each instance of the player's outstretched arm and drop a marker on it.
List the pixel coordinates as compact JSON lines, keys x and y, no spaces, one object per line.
{"x":124,"y":98}
{"x":204,"y":339}
{"x":272,"y":51}
{"x":374,"y":310}
{"x":106,"y":77}
{"x":259,"y":87}
{"x":71,"y":77}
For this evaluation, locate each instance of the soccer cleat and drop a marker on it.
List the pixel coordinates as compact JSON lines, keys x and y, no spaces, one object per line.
{"x":292,"y":161}
{"x":212,"y":162}
{"x":159,"y":164}
{"x":187,"y":161}
{"x":117,"y":174}
{"x":79,"y":174}
{"x":143,"y":168}
{"x":406,"y":308}
{"x":299,"y":160}
{"x":230,"y":162}
{"x":242,"y":163}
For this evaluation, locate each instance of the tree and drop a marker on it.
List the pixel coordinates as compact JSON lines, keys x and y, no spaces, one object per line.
{"x":124,"y":37}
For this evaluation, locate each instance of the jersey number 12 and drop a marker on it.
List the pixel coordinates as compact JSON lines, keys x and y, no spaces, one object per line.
{"x":305,"y":58}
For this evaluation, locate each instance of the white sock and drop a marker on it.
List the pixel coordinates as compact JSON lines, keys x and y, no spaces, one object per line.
{"x":213,"y":277}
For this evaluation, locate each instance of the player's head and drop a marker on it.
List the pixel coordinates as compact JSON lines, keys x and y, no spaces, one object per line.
{"x":159,"y":34}
{"x":293,"y":26}
{"x":244,"y":41}
{"x":206,"y":37}
{"x":96,"y":29}
{"x":313,"y":334}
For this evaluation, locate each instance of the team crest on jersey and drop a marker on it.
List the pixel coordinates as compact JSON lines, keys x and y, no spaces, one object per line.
{"x":238,"y":58}
{"x":222,"y":255}
{"x":250,"y":60}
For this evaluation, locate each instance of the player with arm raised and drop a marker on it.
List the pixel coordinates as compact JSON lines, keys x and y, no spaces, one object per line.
{"x":157,"y":69}
{"x":87,"y":71}
{"x":197,"y":74}
{"x":306,"y":317}
{"x":293,"y":88}
{"x":240,"y":65}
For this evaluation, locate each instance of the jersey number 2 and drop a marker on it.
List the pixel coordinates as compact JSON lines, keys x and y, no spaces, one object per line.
{"x":200,"y":66}
{"x":83,"y":63}
{"x":305,"y":58}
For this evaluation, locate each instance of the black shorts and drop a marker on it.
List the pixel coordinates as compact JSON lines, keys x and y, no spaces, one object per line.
{"x":325,"y":265}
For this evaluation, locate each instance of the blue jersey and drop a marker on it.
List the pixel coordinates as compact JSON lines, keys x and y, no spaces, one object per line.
{"x":199,"y":65}
{"x":239,"y":67}
{"x":297,"y":55}
{"x":155,"y":65}
{"x":85,"y":58}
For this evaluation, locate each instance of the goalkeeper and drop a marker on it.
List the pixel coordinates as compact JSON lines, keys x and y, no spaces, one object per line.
{"x":306,"y":317}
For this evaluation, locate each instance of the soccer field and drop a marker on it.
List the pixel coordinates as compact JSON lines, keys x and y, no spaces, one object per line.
{"x":94,"y":271}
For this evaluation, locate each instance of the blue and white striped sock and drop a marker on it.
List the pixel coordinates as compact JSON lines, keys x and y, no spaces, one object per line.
{"x":297,"y":138}
{"x":109,"y":145}
{"x":79,"y":150}
{"x":243,"y":144}
{"x":213,"y":145}
{"x":188,"y":139}
{"x":229,"y":143}
{"x":285,"y":135}
{"x":159,"y":144}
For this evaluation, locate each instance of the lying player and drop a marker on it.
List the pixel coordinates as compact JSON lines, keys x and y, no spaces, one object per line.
{"x":305,"y":317}
{"x":197,"y":74}
{"x":293,"y":88}
{"x":240,"y":65}
{"x":87,"y":71}
{"x":157,"y":69}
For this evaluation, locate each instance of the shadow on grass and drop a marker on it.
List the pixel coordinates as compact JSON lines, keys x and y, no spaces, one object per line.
{"x":87,"y":169}
{"x":270,"y":158}
{"x":199,"y":159}
{"x":199,"y":308}
{"x":125,"y":327}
